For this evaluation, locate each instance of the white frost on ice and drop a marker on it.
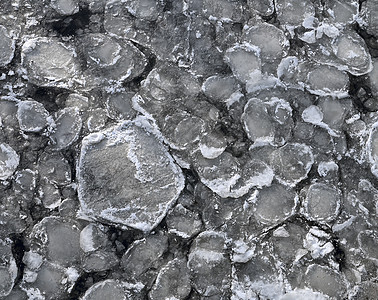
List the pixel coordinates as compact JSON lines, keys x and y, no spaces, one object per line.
{"x":9,"y":161}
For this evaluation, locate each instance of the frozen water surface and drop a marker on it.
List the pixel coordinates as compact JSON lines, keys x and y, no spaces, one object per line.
{"x":194,"y":149}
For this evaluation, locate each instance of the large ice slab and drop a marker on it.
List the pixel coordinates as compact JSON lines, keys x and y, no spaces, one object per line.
{"x":127,"y":177}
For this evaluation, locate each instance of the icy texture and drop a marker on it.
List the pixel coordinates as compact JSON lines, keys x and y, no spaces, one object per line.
{"x":50,"y":264}
{"x":322,"y":202}
{"x":9,"y":161}
{"x":173,"y":281}
{"x":325,"y":280}
{"x":274,"y":204}
{"x":66,"y":129}
{"x":192,"y":149}
{"x":113,"y":289}
{"x":271,"y":41}
{"x":49,"y":62}
{"x":322,"y":80}
{"x":267,"y":122}
{"x":373,"y":75}
{"x":244,"y":61}
{"x":119,"y":106}
{"x":8,"y":269}
{"x":144,"y":257}
{"x":155,"y":179}
{"x":224,"y":89}
{"x":209,"y":265}
{"x":370,"y":18}
{"x":58,"y":240}
{"x":292,"y":163}
{"x":113,"y":59}
{"x":183,"y":222}
{"x":146,"y":9}
{"x":263,"y":7}
{"x":32,"y":116}
{"x":294,"y":12}
{"x":65,"y":7}
{"x":7,"y":47}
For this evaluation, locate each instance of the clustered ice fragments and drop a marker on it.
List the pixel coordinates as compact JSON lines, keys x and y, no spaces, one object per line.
{"x":190,"y":149}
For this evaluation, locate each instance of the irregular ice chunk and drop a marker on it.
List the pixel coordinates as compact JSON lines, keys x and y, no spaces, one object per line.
{"x":368,"y":242}
{"x":244,"y":61}
{"x":267,"y":122}
{"x":334,"y":111}
{"x":212,"y":145}
{"x":25,"y":183}
{"x":208,"y":263}
{"x":351,"y":50}
{"x":67,"y":128}
{"x":111,"y":58}
{"x":342,"y":12}
{"x":314,"y":115}
{"x":263,"y":7}
{"x":145,"y":9}
{"x":223,"y":10}
{"x":32,"y":116}
{"x":370,"y":17}
{"x":113,"y":289}
{"x":292,"y":163}
{"x":48,"y":282}
{"x":322,"y":202}
{"x":7,"y":46}
{"x":167,"y":38}
{"x":58,"y":240}
{"x":294,"y":12}
{"x":9,"y":161}
{"x":271,"y":41}
{"x":249,"y":282}
{"x":8,"y":269}
{"x":65,"y":7}
{"x":289,"y":245}
{"x":325,"y":280}
{"x":96,"y":120}
{"x":183,"y":129}
{"x":327,"y":167}
{"x":119,"y":106}
{"x":100,"y":260}
{"x":274,"y":204}
{"x":327,"y":80}
{"x":144,"y":255}
{"x":78,"y":101}
{"x":183,"y":222}
{"x":55,"y":168}
{"x":224,"y":89}
{"x":49,"y":62}
{"x":172,"y":282}
{"x":317,"y":242}
{"x":92,"y":237}
{"x":32,"y":260}
{"x":219,"y":174}
{"x":127,"y":177}
{"x":49,"y":194}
